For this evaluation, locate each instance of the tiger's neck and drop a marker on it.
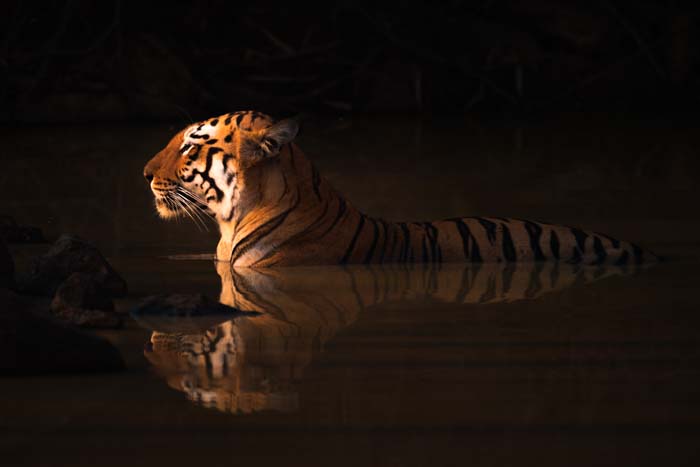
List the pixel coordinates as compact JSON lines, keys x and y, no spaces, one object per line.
{"x":283,"y":209}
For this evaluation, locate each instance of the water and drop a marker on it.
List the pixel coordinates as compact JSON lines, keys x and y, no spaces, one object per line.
{"x":490,"y":365}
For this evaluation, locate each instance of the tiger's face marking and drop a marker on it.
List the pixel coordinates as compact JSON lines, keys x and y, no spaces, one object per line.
{"x":199,"y":171}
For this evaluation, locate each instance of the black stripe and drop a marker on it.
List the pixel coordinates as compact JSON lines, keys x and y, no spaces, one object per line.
{"x":638,"y":254}
{"x":508,"y":246}
{"x":507,"y":278}
{"x":534,"y":231}
{"x":471,"y":252}
{"x":465,"y":234}
{"x":262,"y":231}
{"x":206,"y":177}
{"x":465,"y":284}
{"x":622,"y":260}
{"x":425,"y":248}
{"x":386,"y":237}
{"x":239,"y":119}
{"x":348,"y":252}
{"x":316,"y":181}
{"x":429,"y":235}
{"x":394,"y":241}
{"x":535,"y":283}
{"x":286,"y":186}
{"x":248,"y":291}
{"x":297,"y":235}
{"x":342,"y":207}
{"x":407,"y":241}
{"x":580,"y":248}
{"x":580,"y":237}
{"x":490,"y":228}
{"x":205,"y":174}
{"x":291,"y":156}
{"x":194,"y":154}
{"x":599,"y":250}
{"x":432,"y":233}
{"x":554,"y":244}
{"x":368,"y":258}
{"x":575,"y":256}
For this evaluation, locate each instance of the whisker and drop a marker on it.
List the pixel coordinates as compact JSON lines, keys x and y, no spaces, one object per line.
{"x":191,"y":194}
{"x":173,"y":207}
{"x":188,"y":211}
{"x":192,"y":213}
{"x":195,"y":209}
{"x":201,"y":203}
{"x":195,"y":201}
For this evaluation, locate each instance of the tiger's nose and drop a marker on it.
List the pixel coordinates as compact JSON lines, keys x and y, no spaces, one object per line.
{"x":148,"y":175}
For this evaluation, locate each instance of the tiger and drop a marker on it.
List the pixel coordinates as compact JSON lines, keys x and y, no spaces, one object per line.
{"x":255,"y":362}
{"x":273,"y":208}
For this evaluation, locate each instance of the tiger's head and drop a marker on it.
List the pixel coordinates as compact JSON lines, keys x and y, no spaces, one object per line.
{"x":202,"y":168}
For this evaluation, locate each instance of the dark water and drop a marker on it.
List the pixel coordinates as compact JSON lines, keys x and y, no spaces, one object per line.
{"x":462,"y":365}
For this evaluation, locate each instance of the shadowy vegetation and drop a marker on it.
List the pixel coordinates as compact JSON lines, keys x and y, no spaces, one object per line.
{"x":79,"y":60}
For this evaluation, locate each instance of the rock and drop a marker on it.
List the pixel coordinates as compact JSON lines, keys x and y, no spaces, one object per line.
{"x":183,"y":313}
{"x":31,"y":344}
{"x":7,"y":267}
{"x":80,"y":301}
{"x":68,"y":255}
{"x":13,"y":233}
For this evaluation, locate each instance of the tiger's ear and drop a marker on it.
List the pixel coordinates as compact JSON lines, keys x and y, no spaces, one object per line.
{"x":266,"y":143}
{"x":281,"y":133}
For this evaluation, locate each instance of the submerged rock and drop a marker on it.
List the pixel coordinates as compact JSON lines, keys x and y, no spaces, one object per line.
{"x":183,"y":313}
{"x":35,"y":344}
{"x":69,"y":255}
{"x":14,"y":233}
{"x":80,"y":301}
{"x":7,"y":267}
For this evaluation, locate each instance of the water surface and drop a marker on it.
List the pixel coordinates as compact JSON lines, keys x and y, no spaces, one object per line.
{"x":458,"y":365}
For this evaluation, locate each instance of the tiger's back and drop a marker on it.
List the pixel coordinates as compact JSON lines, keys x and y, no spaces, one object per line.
{"x":485,"y":239}
{"x":274,"y":208}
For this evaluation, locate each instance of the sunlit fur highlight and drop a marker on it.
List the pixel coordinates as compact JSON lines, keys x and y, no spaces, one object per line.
{"x":273,"y":208}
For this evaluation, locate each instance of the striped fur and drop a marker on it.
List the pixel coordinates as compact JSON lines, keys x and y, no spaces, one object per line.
{"x":256,"y":363}
{"x":275,"y":209}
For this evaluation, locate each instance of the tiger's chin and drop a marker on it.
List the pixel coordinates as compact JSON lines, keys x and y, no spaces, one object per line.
{"x":165,"y":211}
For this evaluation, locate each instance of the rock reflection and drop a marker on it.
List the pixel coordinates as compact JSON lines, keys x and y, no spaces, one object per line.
{"x":256,"y":362}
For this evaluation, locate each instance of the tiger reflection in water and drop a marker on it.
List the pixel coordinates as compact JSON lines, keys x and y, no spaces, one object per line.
{"x":254,"y":363}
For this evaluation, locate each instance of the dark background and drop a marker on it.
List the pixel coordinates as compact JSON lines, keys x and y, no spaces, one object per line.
{"x":112,"y":60}
{"x":578,"y":113}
